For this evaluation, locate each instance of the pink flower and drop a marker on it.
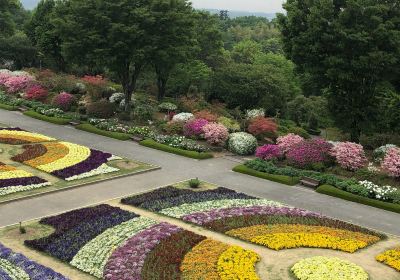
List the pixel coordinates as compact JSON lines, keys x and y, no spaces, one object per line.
{"x":288,"y":141}
{"x":309,"y":152}
{"x":194,"y":127}
{"x":64,"y":101}
{"x":350,"y":156}
{"x":391,"y":162}
{"x":36,"y":92}
{"x":268,"y":152}
{"x":15,"y":84}
{"x":215,"y":133}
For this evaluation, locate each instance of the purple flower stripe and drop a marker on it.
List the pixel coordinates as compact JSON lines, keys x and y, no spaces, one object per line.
{"x":12,"y":128}
{"x":127,"y":261}
{"x":95,"y":160}
{"x":5,"y":183}
{"x":4,"y":275}
{"x":201,"y":218}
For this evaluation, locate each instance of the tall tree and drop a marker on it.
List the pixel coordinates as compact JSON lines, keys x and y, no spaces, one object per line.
{"x":7,"y":24}
{"x":349,"y":47}
{"x":109,"y":33}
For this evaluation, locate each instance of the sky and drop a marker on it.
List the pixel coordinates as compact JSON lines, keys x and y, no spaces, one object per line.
{"x":264,"y":6}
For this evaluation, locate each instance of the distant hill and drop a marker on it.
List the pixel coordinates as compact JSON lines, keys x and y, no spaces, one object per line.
{"x":235,"y":14}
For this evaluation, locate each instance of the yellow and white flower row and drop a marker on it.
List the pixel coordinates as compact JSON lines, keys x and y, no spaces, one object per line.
{"x":15,"y":189}
{"x":25,"y":136}
{"x":103,"y":169}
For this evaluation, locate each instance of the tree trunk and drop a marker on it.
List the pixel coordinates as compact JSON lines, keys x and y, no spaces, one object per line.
{"x":162,"y":88}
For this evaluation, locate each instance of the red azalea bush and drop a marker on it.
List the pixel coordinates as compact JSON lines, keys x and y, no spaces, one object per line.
{"x":288,"y":141}
{"x":309,"y":152}
{"x":350,"y":156}
{"x":260,"y":125}
{"x":97,"y":80}
{"x":36,"y":92}
{"x":269,"y":152}
{"x":194,"y":128}
{"x":215,"y":133}
{"x":391,"y":162}
{"x":207,"y":115}
{"x":64,"y":101}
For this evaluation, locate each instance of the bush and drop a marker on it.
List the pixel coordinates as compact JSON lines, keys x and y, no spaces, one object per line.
{"x":286,"y":180}
{"x":194,"y":128}
{"x":349,"y":155}
{"x":167,"y":107}
{"x":207,"y":115}
{"x":92,"y":129}
{"x":117,"y":97}
{"x":299,"y":131}
{"x":173,"y":128}
{"x":182,"y":117}
{"x":371,"y":142}
{"x":55,"y":120}
{"x":101,"y":109}
{"x":97,"y":80}
{"x":194,"y":183}
{"x":8,"y":107}
{"x":380,"y":153}
{"x":143,"y":112}
{"x":288,"y":141}
{"x":64,"y":101}
{"x":162,"y":147}
{"x":230,"y":124}
{"x":255,"y":113}
{"x":36,"y":92}
{"x":309,"y":152}
{"x":242,"y":143}
{"x":391,"y":162}
{"x":260,"y":126}
{"x":269,"y":152}
{"x":215,"y":133}
{"x":15,"y":84}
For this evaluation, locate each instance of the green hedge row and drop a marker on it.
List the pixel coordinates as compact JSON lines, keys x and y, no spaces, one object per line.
{"x":41,"y":117}
{"x":332,"y":191}
{"x":8,"y":107}
{"x":190,"y":154}
{"x":287,"y":180}
{"x":92,"y":129}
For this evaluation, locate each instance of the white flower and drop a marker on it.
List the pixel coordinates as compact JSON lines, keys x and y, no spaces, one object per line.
{"x":183,"y":117}
{"x":251,"y":114}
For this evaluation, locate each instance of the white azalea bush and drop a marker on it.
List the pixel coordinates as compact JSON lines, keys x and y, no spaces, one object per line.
{"x":384,"y":193}
{"x":117,"y":97}
{"x":325,"y":268}
{"x":255,"y":113}
{"x":183,"y":117}
{"x":242,"y":143}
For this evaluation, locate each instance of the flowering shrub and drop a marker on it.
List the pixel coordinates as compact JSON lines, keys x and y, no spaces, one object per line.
{"x":15,"y":84}
{"x":384,"y":193}
{"x":288,"y":141}
{"x":167,"y":106}
{"x":97,"y":80}
{"x":309,"y":152}
{"x":325,"y":268}
{"x":242,"y":143}
{"x":183,"y":117}
{"x":260,"y":125}
{"x":207,"y":115}
{"x":173,"y":128}
{"x":349,"y":155}
{"x":230,"y":124}
{"x":36,"y":92}
{"x":117,"y":97}
{"x":391,"y":258}
{"x":252,"y":114}
{"x":64,"y":101}
{"x":194,"y":128}
{"x":391,"y":162}
{"x":269,"y":152}
{"x":215,"y":133}
{"x":380,"y":153}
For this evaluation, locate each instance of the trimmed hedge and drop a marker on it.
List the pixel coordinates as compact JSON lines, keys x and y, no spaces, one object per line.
{"x":190,"y":154}
{"x":92,"y":129}
{"x":8,"y":107}
{"x":41,"y":117}
{"x":332,"y":191}
{"x":287,"y":180}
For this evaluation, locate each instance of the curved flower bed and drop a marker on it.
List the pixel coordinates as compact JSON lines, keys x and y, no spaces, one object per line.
{"x":324,"y":268}
{"x":14,"y":180}
{"x":17,"y":266}
{"x":391,"y":258}
{"x":18,"y":136}
{"x":66,"y":160}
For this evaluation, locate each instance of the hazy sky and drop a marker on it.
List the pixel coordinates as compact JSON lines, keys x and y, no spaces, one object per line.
{"x":267,"y":6}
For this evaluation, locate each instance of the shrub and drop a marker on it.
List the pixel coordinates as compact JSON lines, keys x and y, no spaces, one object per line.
{"x":97,"y":80}
{"x":79,"y":88}
{"x":260,"y":126}
{"x":143,"y":112}
{"x":173,"y":128}
{"x":242,"y":143}
{"x":63,"y":101}
{"x":268,"y":152}
{"x":182,"y":117}
{"x":230,"y":124}
{"x":50,"y":119}
{"x":194,"y":128}
{"x":309,"y":152}
{"x":101,"y":109}
{"x":374,"y":141}
{"x":252,"y":114}
{"x":194,"y":183}
{"x":92,"y":129}
{"x":178,"y":151}
{"x":207,"y":115}
{"x":167,"y":107}
{"x":299,"y":131}
{"x":380,"y":153}
{"x":36,"y":92}
{"x":15,"y":84}
{"x":288,"y":141}
{"x":215,"y":133}
{"x":117,"y":97}
{"x":349,"y":155}
{"x":391,"y":162}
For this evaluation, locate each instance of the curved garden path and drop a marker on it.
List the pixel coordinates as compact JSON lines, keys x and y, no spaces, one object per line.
{"x":174,"y":168}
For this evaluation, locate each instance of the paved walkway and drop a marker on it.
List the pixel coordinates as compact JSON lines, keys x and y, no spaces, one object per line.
{"x":174,"y":168}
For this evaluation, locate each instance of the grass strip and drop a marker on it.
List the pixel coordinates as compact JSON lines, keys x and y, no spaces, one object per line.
{"x":55,"y":120}
{"x":8,"y":107}
{"x":287,"y":180}
{"x":92,"y":129}
{"x":190,"y":154}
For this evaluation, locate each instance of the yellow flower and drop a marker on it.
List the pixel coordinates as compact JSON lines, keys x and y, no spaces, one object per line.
{"x":391,"y":258}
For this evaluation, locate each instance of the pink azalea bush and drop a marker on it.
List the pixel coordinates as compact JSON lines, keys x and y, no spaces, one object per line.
{"x":64,"y":101}
{"x":269,"y":152}
{"x":309,"y":152}
{"x":36,"y":92}
{"x":215,"y":133}
{"x":15,"y":84}
{"x":350,"y":156}
{"x":391,"y":162}
{"x":194,"y":127}
{"x":286,"y":142}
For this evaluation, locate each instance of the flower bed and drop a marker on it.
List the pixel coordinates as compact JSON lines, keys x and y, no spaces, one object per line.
{"x":391,"y":258}
{"x":110,"y":243}
{"x":14,"y":180}
{"x":324,"y":268}
{"x":18,"y":136}
{"x":246,"y":217}
{"x":17,"y":266}
{"x":66,"y":160}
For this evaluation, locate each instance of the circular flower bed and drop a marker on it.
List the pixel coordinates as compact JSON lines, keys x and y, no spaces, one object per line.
{"x":242,"y":143}
{"x":324,"y":268}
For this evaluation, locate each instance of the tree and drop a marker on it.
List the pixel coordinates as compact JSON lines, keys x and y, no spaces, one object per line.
{"x":110,"y":33}
{"x":172,"y":37}
{"x":349,"y":48}
{"x":7,"y":24}
{"x":17,"y":49}
{"x":246,"y":51}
